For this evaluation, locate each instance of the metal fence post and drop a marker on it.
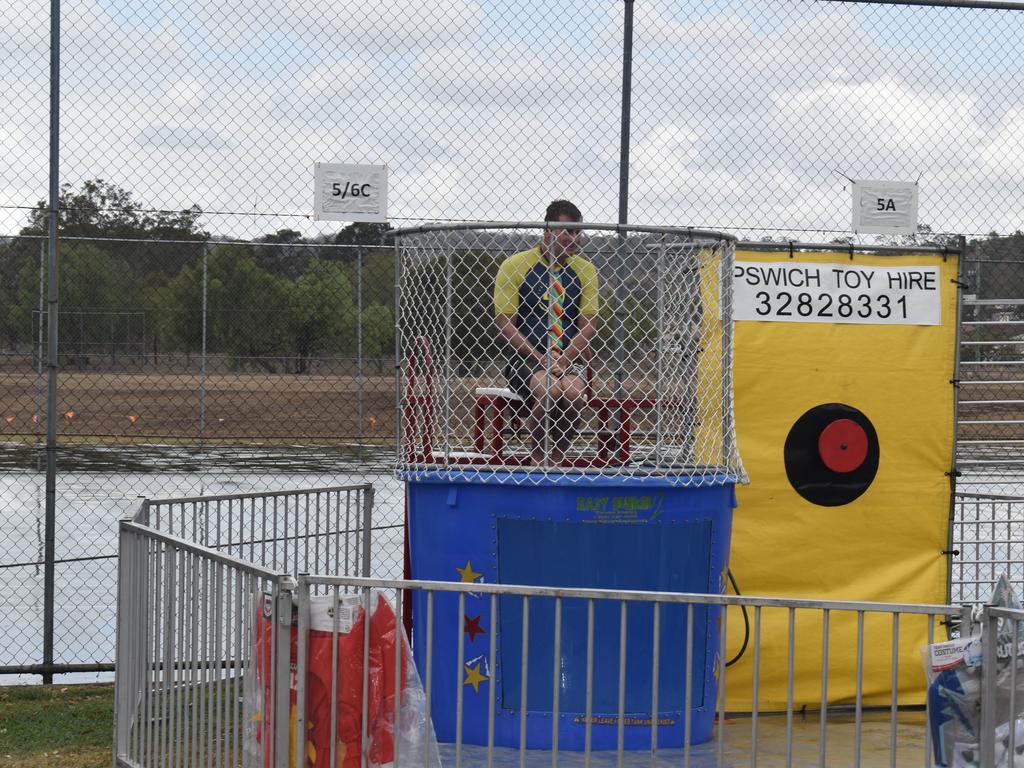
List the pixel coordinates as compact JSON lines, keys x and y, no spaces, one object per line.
{"x":202,"y":352}
{"x":957,"y":390}
{"x":620,"y":251}
{"x":51,"y":352}
{"x":42,"y":309}
{"x":125,"y":662}
{"x":989,"y":641}
{"x":367,"y":528}
{"x":281,"y":707}
{"x":359,"y":345}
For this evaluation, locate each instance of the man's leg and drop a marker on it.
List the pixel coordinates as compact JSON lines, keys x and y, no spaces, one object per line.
{"x":568,"y":410}
{"x":546,"y":392}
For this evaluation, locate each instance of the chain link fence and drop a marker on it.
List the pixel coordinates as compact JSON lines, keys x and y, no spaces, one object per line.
{"x":209,"y":367}
{"x":213,"y":337}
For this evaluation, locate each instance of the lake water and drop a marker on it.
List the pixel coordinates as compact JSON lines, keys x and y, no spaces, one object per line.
{"x":97,"y":485}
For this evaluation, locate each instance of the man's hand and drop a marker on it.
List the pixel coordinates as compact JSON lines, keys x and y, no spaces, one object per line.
{"x":558,"y":363}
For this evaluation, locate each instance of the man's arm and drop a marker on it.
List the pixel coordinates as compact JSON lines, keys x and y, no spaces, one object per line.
{"x":579,"y":343}
{"x":507,"y":328}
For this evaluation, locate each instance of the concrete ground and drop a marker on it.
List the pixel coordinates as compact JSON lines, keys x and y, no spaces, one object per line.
{"x":840,"y":740}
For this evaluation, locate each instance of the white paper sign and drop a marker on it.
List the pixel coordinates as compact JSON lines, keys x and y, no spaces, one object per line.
{"x":350,"y":192}
{"x":885,"y":207}
{"x":795,"y":292}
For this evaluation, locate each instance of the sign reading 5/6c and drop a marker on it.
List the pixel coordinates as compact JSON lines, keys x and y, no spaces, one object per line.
{"x":350,"y":192}
{"x":350,"y":189}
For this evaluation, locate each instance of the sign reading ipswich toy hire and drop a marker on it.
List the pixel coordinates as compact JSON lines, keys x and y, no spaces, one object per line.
{"x":350,"y":193}
{"x":809,"y":292}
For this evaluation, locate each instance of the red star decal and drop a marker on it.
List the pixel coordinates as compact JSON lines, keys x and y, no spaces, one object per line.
{"x":472,"y":627}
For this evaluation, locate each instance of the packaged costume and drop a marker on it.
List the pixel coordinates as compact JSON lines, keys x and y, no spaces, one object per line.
{"x":954,"y":670}
{"x":414,"y":735}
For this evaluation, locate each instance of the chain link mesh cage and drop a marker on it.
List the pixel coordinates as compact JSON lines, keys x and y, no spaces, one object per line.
{"x":611,"y":357}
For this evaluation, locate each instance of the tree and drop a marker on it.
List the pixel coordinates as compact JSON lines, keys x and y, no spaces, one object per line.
{"x":178,"y":310}
{"x":246,"y":309}
{"x":91,"y":287}
{"x":362,"y":233}
{"x":323,"y":314}
{"x":102,"y":209}
{"x":283,"y":253}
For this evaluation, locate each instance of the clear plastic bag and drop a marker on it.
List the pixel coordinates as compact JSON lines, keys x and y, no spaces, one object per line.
{"x":389,"y":668}
{"x":954,"y":670}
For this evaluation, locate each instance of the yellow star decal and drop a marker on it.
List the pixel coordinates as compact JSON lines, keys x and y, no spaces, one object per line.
{"x":467,"y":574}
{"x":474,"y":677}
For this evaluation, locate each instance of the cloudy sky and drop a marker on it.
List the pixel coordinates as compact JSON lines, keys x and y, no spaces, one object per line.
{"x":747,"y":115}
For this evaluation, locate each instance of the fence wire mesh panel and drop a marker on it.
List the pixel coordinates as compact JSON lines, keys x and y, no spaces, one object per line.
{"x":989,"y":507}
{"x":744,"y":116}
{"x":603,"y":351}
{"x":215,"y":338}
{"x":988,"y":540}
{"x":186,"y":367}
{"x":23,"y":397}
{"x":991,"y":397}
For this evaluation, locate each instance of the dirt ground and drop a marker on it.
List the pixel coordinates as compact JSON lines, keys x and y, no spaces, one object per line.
{"x":133,"y":406}
{"x":295,"y":407}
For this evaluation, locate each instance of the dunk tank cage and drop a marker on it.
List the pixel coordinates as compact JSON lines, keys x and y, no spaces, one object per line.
{"x":639,"y":494}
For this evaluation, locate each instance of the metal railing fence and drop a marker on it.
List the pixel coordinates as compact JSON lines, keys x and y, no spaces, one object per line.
{"x":194,"y":573}
{"x":171,"y":707}
{"x":185,"y":623}
{"x":316,"y":530}
{"x":1001,"y":705}
{"x":988,"y":540}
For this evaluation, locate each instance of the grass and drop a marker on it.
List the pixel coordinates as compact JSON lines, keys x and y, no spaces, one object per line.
{"x":44,"y":726}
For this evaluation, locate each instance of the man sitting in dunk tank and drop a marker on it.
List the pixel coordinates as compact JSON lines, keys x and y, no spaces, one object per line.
{"x":546,"y":304}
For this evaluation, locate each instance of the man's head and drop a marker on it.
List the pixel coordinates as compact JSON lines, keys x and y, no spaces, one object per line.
{"x":563,"y":242}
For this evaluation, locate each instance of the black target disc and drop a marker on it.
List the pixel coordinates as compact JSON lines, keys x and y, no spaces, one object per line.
{"x":831,"y":454}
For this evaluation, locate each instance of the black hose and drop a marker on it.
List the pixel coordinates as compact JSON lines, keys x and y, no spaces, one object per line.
{"x":746,"y":624}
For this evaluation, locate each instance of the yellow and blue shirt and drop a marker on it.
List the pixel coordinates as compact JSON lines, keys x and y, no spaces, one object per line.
{"x":521,"y":287}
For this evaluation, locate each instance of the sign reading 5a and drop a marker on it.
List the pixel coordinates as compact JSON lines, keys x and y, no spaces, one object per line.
{"x":885,"y":207}
{"x":350,"y":192}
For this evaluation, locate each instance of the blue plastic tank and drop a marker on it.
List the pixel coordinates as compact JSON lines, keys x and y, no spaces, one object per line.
{"x":580,"y":530}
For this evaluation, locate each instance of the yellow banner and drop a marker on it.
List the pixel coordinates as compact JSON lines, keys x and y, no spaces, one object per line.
{"x":844,"y":414}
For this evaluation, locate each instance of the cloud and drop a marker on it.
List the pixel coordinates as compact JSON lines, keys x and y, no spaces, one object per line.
{"x":331,"y":27}
{"x":182,"y":139}
{"x":742,"y":114}
{"x":1003,"y":153}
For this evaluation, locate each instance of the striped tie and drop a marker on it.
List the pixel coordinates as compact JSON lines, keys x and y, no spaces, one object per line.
{"x":556,"y":309}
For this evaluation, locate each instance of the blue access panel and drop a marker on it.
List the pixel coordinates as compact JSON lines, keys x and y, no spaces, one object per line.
{"x":674,"y":558}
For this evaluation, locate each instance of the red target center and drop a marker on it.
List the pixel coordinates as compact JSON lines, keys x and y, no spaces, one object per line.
{"x":843,"y":445}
